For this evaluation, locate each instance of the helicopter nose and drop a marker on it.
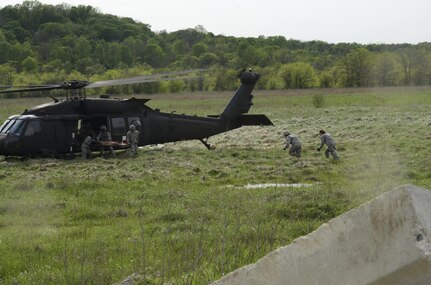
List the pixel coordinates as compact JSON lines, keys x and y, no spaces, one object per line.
{"x":8,"y":144}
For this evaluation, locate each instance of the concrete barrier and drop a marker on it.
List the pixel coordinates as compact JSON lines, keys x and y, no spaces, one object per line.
{"x":385,"y":241}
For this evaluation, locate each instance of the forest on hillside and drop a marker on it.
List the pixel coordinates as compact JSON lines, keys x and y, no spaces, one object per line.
{"x":43,"y":44}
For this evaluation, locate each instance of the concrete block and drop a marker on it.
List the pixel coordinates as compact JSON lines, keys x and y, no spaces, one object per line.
{"x":384,"y":241}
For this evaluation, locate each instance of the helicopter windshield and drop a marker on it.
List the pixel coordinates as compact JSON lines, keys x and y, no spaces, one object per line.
{"x":12,"y":127}
{"x":16,"y":127}
{"x":4,"y":126}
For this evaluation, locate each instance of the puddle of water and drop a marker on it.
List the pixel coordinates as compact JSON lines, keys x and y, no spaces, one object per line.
{"x":274,"y":185}
{"x":268,"y":185}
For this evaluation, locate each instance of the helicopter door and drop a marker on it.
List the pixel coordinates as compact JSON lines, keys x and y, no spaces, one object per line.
{"x":61,"y":135}
{"x":92,"y":125}
{"x":33,"y":140}
{"x":118,"y":128}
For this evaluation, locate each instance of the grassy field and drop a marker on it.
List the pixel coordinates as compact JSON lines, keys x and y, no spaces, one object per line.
{"x":181,"y":214}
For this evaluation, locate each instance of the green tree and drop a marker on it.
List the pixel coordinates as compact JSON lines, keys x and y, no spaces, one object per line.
{"x":176,"y":86}
{"x":198,"y":49}
{"x":63,"y":53}
{"x":82,"y":14}
{"x":153,"y":55}
{"x":179,"y":46}
{"x":208,"y":59}
{"x":189,"y":37}
{"x":406,"y":57}
{"x":4,"y":48}
{"x":274,"y":83}
{"x":248,"y":55}
{"x":298,"y":75}
{"x":226,"y":80}
{"x":83,"y":47}
{"x":113,"y":58}
{"x":51,"y":32}
{"x":327,"y":79}
{"x":85,"y":65}
{"x":7,"y":74}
{"x":126,"y":56}
{"x":356,"y":67}
{"x":422,"y":67}
{"x":19,"y":52}
{"x":30,"y":13}
{"x":386,"y":69}
{"x":29,"y":64}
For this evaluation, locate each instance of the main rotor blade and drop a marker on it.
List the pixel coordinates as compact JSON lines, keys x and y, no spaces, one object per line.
{"x":25,"y":86}
{"x":134,"y":80}
{"x":40,"y":88}
{"x":143,"y":79}
{"x":76,"y":84}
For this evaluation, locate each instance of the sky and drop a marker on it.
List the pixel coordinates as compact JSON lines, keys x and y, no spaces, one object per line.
{"x":332,"y":21}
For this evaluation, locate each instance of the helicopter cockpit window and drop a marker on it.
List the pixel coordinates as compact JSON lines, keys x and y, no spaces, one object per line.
{"x":4,"y":126}
{"x":16,"y":128}
{"x":33,"y":128}
{"x":118,"y":127}
{"x":135,"y":121}
{"x":12,"y":126}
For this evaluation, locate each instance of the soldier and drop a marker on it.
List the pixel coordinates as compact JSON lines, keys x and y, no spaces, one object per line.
{"x":326,"y":138}
{"x":132,"y":138}
{"x":105,"y":136}
{"x":295,"y":150}
{"x":87,"y":131}
{"x":85,"y":148}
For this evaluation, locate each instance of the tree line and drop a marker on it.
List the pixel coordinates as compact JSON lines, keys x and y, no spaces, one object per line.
{"x":43,"y":44}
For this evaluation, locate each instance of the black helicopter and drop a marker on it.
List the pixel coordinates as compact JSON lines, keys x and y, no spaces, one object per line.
{"x":57,"y":128}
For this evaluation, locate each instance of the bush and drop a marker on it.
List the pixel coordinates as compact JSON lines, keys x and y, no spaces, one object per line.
{"x":318,"y":101}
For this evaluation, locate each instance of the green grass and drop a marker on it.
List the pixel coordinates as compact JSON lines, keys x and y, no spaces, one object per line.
{"x":180,"y":213}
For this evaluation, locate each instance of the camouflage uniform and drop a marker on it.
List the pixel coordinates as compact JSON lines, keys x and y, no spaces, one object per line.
{"x":295,"y":149}
{"x":132,"y":138}
{"x":326,"y":138}
{"x":85,"y":148}
{"x":105,"y":136}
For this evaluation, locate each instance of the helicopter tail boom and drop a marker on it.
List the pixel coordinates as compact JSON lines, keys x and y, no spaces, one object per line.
{"x":241,"y":101}
{"x":239,"y":105}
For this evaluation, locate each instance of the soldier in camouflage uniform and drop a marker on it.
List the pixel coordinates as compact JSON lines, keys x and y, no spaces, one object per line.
{"x":326,"y":138}
{"x":295,"y":149}
{"x":85,"y":148}
{"x":105,"y":136}
{"x":132,"y":138}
